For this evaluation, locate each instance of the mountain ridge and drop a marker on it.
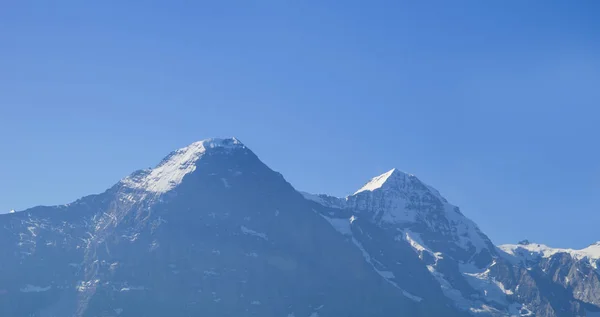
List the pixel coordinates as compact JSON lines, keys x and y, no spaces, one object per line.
{"x":211,"y":225}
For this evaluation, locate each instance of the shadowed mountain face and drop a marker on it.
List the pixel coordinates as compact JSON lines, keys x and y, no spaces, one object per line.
{"x":212,"y":231}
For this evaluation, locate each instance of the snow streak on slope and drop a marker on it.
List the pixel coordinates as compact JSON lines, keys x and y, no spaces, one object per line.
{"x":170,"y":172}
{"x":387,"y":275}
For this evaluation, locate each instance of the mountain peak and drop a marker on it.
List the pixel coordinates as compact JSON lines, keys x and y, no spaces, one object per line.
{"x":170,"y":171}
{"x":390,"y":177}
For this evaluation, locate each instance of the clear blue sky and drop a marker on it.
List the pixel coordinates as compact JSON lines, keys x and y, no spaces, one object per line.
{"x":494,"y":104}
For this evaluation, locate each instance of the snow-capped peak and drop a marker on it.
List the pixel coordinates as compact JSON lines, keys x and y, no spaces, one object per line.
{"x":170,"y":172}
{"x":389,"y":198}
{"x":380,"y":181}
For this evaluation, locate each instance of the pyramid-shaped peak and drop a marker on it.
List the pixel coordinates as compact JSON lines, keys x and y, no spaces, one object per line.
{"x":389,"y":178}
{"x":171,"y":170}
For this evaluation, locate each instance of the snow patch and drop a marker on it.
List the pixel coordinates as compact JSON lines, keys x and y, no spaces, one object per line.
{"x":415,"y":241}
{"x":251,"y":232}
{"x":341,"y":225}
{"x":132,"y":288}
{"x":34,"y":289}
{"x":83,"y":286}
{"x":449,"y":291}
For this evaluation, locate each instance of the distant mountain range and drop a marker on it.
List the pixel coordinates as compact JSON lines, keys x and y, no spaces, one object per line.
{"x":212,"y":231}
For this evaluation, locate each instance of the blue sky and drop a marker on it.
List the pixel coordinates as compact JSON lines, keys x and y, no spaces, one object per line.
{"x":494,"y":104}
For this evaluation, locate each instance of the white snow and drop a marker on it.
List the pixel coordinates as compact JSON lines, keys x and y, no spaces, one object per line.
{"x":466,"y":230}
{"x":210,"y":273}
{"x":415,"y":241}
{"x":171,"y":171}
{"x":448,"y":290}
{"x":225,"y":183}
{"x":34,"y":289}
{"x":86,"y":285}
{"x":491,"y":289}
{"x":387,"y":275}
{"x":533,"y":251}
{"x":313,"y":197}
{"x":154,"y":245}
{"x":376,"y":182}
{"x":341,"y":225}
{"x":251,"y":232}
{"x":12,"y":211}
{"x":132,"y":288}
{"x":325,"y":200}
{"x":32,"y":231}
{"x":411,"y":296}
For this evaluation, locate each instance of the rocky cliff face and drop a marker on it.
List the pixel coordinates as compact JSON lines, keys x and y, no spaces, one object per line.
{"x":570,"y":277}
{"x":213,"y":231}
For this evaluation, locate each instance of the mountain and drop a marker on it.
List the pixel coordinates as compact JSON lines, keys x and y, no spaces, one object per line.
{"x":476,"y":275}
{"x":212,"y":231}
